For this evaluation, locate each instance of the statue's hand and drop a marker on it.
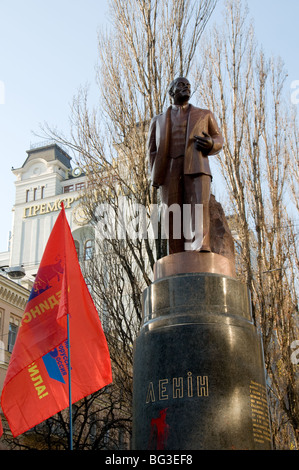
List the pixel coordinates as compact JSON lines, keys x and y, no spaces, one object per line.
{"x":204,"y":144}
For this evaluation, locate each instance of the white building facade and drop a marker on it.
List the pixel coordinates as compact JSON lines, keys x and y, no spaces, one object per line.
{"x":46,"y":179}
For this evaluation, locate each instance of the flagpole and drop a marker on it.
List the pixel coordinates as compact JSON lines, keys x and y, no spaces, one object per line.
{"x":70,"y":384}
{"x":68,"y":347}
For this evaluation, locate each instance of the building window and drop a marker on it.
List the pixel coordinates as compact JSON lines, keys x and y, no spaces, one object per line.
{"x":42,"y":192}
{"x":69,"y":189}
{"x":27,"y":195}
{"x":12,"y":334}
{"x":80,"y":186}
{"x":105,"y":317}
{"x":77,"y":246}
{"x":88,"y":284}
{"x":34,"y":194}
{"x":2,"y":352}
{"x":121,"y":439}
{"x":106,"y":439}
{"x":88,"y":250}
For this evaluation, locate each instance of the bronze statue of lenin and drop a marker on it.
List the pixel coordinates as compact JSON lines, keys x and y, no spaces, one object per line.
{"x":179,"y":143}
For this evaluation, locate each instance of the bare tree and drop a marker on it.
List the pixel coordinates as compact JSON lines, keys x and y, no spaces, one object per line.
{"x":99,"y":423}
{"x":150,"y":42}
{"x":259,"y":164}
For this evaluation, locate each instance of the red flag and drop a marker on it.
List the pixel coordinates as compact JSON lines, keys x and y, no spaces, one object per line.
{"x":36,"y":383}
{"x":1,"y":428}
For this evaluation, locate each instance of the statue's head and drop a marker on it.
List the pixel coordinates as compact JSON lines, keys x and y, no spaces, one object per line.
{"x":180,"y":90}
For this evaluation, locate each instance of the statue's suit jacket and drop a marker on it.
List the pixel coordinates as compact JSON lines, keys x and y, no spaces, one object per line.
{"x":195,"y":162}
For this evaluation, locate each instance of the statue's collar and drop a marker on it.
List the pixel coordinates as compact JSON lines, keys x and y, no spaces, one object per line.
{"x":183,"y":107}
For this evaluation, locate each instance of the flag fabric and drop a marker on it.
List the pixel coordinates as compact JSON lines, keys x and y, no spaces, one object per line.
{"x":1,"y":428}
{"x":36,"y":384}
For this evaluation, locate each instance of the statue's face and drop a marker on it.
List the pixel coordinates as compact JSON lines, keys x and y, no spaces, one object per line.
{"x":181,"y":90}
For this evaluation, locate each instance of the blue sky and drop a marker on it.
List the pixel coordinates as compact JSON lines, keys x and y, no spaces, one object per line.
{"x":48,"y":49}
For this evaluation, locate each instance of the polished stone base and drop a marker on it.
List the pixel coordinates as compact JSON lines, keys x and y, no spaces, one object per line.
{"x":199,"y":379}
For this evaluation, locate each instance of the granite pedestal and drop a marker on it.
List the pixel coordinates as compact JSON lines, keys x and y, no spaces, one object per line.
{"x":199,"y":378}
